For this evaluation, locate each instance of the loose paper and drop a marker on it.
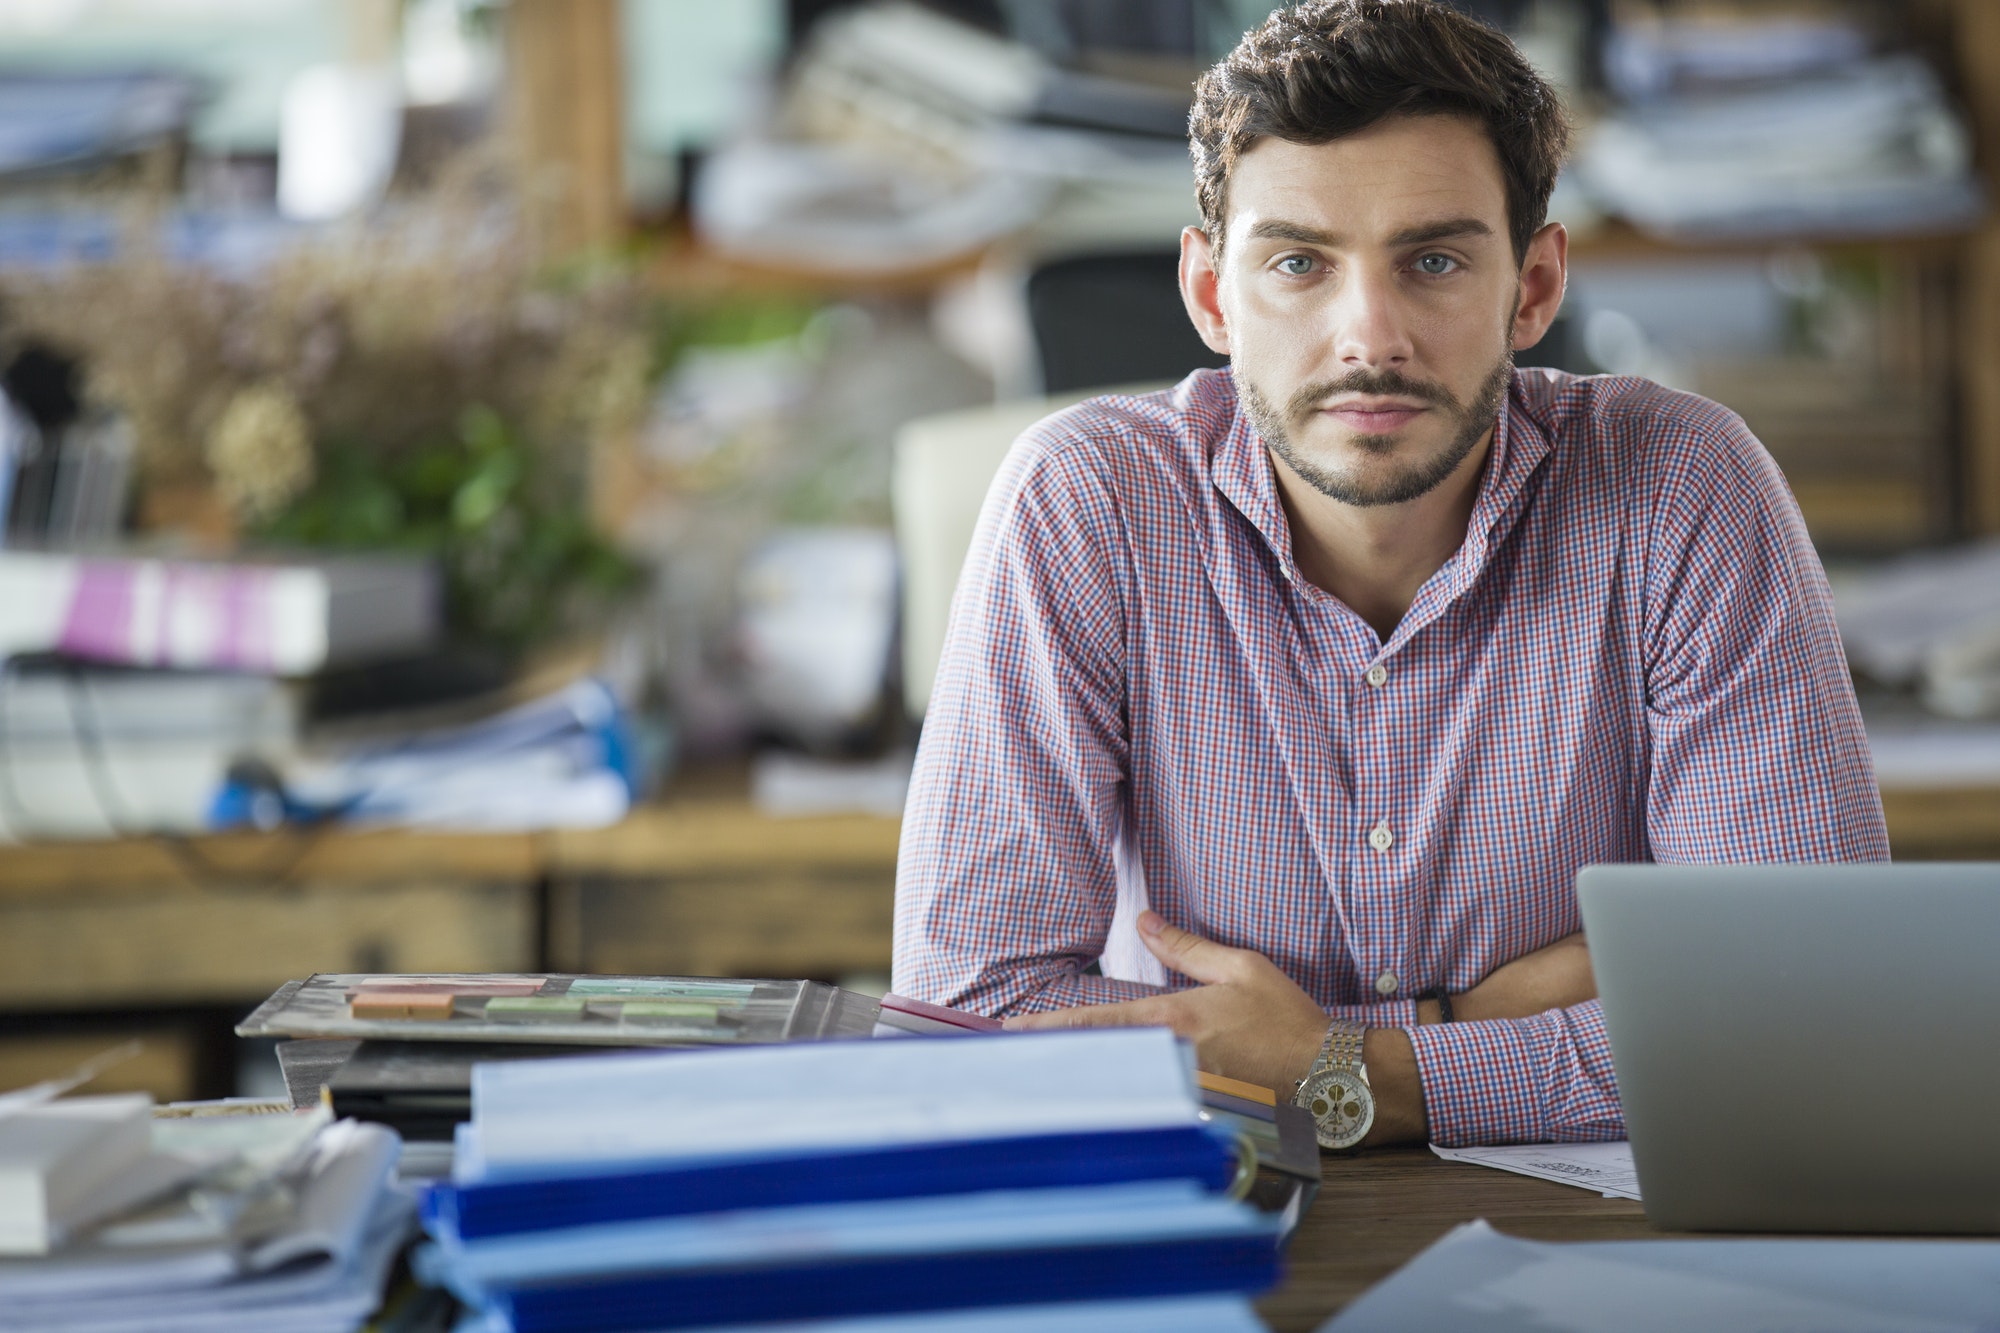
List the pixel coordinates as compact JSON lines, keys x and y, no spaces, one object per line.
{"x":1604,"y":1167}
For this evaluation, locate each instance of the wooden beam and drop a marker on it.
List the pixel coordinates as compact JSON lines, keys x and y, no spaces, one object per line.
{"x":1976,"y":38}
{"x":566,"y":113}
{"x":725,"y":837}
{"x":256,"y":863}
{"x":224,"y":945}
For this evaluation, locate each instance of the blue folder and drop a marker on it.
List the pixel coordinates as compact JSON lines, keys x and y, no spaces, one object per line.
{"x":908,"y":1171}
{"x":890,"y":1284}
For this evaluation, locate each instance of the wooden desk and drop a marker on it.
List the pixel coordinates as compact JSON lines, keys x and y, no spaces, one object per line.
{"x":1377,"y":1211}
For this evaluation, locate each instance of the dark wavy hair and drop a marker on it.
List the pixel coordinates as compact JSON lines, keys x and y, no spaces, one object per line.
{"x":1318,"y":71}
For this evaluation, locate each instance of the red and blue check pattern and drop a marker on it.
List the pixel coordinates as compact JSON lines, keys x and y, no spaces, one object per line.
{"x":1632,"y":657}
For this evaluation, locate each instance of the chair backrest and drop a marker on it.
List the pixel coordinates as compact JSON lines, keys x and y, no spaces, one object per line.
{"x":1112,"y":319}
{"x":944,"y":466}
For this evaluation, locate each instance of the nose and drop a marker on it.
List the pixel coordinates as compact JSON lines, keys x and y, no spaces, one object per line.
{"x":1371,"y":329}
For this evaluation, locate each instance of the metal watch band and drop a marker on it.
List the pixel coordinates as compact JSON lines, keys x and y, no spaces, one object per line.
{"x":1340,"y":1049}
{"x":1319,"y":1061}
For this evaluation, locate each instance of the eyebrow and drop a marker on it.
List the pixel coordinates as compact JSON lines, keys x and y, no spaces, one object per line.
{"x":1448,"y":230}
{"x":1277,"y":229}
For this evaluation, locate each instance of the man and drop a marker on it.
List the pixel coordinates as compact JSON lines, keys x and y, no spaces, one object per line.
{"x":1345,"y":660}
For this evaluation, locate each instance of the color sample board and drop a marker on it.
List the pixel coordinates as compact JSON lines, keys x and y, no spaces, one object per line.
{"x":575,"y":1010}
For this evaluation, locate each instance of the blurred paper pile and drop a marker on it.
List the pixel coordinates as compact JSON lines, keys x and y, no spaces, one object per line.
{"x":906,"y":138}
{"x":1930,"y":623}
{"x":1749,"y":126}
{"x":115,"y":1221}
{"x":1925,"y":631}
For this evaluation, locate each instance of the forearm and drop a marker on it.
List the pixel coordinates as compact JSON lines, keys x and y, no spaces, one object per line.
{"x":1550,"y":979}
{"x":1545,"y":1078}
{"x":1393,"y":1077}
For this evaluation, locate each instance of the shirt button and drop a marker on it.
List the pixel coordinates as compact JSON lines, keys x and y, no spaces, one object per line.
{"x":1378,"y":675}
{"x":1380,"y":838}
{"x":1386,"y":984}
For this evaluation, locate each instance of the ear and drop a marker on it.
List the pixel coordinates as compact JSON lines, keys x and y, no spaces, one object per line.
{"x":1200,"y":289}
{"x":1544,"y":273}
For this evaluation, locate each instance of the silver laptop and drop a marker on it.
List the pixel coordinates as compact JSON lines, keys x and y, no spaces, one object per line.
{"x":1805,"y":1048}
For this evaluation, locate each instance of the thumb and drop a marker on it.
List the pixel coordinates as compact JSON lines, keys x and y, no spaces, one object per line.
{"x":1186,"y":952}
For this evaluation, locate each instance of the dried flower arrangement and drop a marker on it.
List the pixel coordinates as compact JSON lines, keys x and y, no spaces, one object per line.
{"x":422,"y":381}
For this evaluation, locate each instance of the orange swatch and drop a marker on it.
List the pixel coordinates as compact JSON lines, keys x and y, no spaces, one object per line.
{"x":1249,"y":1092}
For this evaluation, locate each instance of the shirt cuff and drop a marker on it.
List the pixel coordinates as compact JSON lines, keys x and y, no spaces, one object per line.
{"x":1381,"y":1014}
{"x":1479,"y":1081}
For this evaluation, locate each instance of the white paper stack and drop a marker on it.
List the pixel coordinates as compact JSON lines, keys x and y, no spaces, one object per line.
{"x":268,"y":1222}
{"x":1863,"y":148}
{"x":89,"y":752}
{"x":54,"y":1157}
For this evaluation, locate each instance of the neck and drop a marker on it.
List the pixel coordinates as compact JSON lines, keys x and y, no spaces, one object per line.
{"x":1375,"y":559}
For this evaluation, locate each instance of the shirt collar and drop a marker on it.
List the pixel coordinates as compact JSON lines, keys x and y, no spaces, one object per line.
{"x":1241,"y":470}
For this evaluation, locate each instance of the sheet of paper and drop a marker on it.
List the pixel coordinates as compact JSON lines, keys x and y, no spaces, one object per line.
{"x":530,"y":1116}
{"x":1604,"y":1167}
{"x":1476,"y":1277}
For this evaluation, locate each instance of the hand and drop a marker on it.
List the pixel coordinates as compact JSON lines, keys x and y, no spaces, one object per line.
{"x":1248,"y":1020}
{"x":1552,"y":977}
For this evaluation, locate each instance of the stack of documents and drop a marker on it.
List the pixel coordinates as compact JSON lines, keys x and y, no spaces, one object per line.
{"x":208,"y":1224}
{"x":566,"y":760}
{"x":1867,"y":148}
{"x":92,"y":751}
{"x":1064,"y":1176}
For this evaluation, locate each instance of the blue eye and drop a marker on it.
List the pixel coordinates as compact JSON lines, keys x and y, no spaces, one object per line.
{"x":1296,"y":265}
{"x":1436,"y":266}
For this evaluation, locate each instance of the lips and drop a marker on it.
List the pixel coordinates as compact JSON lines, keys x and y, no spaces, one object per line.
{"x":1375,"y":420}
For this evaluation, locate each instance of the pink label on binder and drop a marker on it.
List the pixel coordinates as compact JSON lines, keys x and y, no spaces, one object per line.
{"x":150,"y":613}
{"x":99,"y":624}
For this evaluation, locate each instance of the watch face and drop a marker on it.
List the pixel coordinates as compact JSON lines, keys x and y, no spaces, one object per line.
{"x":1342,"y":1107}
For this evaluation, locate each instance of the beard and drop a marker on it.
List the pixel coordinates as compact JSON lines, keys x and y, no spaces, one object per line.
{"x":1393,"y":484}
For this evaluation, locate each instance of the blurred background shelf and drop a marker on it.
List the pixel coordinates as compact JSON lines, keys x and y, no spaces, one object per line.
{"x":103,"y":939}
{"x":100,"y":940}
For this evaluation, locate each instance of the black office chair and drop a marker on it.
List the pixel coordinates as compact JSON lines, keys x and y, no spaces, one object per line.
{"x":1109,"y":319}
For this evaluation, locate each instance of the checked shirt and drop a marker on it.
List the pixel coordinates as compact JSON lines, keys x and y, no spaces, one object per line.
{"x":1632,"y":657}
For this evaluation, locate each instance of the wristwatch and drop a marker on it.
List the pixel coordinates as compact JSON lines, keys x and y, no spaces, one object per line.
{"x":1336,"y":1088}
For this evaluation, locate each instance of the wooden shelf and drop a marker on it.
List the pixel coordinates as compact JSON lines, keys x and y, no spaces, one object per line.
{"x":1616,"y":239}
{"x":244,"y":861}
{"x":721,"y":836}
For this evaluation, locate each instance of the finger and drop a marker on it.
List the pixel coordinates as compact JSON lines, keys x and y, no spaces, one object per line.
{"x":1128,"y":1014}
{"x":1188,"y":953}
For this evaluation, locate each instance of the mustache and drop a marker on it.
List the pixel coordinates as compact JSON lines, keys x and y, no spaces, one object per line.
{"x":1375,"y":383}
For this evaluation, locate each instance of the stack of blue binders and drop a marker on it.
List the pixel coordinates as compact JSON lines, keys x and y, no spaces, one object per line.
{"x":1048,"y":1181}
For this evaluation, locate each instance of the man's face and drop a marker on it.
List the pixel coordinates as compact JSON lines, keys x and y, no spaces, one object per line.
{"x":1368,"y":290}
